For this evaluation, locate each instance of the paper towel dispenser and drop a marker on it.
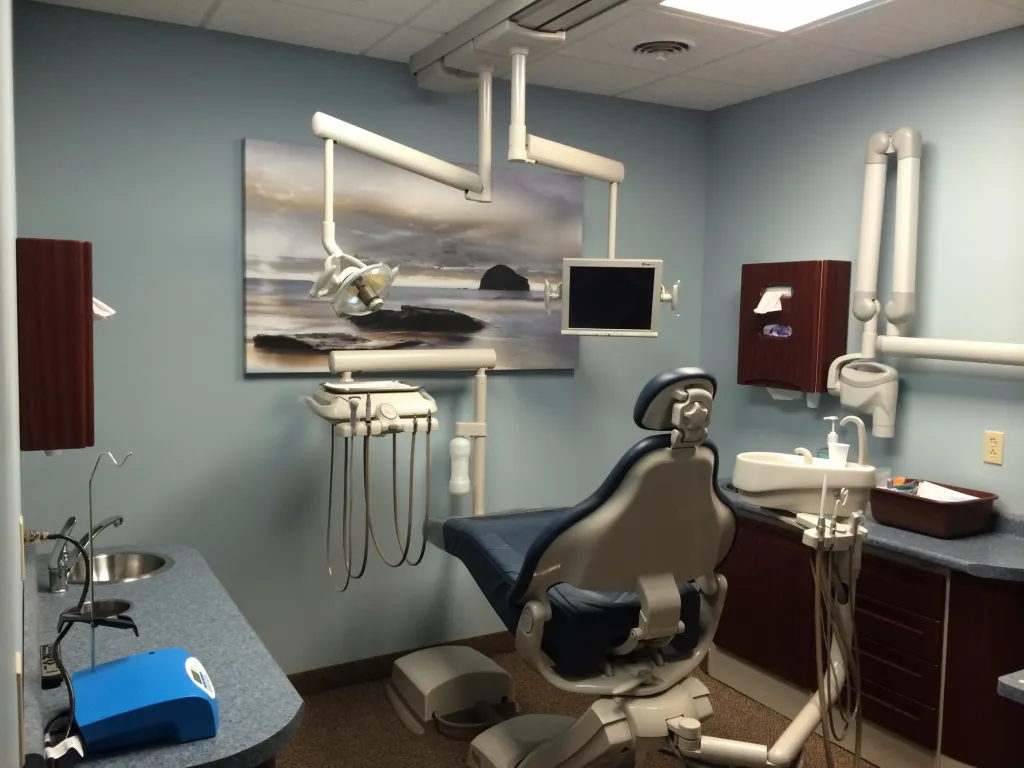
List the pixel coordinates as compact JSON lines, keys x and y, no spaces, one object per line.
{"x":794,"y":318}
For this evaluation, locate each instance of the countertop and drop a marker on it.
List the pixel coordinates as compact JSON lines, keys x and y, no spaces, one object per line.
{"x":185,"y":607}
{"x":995,"y":555}
{"x":1012,"y":687}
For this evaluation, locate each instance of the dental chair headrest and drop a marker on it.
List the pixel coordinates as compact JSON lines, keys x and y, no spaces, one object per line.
{"x":653,"y":409}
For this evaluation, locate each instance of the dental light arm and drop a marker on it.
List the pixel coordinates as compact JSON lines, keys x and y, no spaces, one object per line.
{"x":358,"y":288}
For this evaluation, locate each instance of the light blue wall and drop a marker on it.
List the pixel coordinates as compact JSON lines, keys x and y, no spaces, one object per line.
{"x":786,"y":181}
{"x":130,"y":135}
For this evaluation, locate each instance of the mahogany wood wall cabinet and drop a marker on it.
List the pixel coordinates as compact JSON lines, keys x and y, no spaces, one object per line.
{"x":55,"y":363}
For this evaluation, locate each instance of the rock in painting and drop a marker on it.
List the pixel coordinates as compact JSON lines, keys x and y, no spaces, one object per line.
{"x":418,"y":320}
{"x":502,"y":278}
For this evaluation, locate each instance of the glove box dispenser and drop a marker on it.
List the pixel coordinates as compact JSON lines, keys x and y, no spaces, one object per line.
{"x":794,"y":318}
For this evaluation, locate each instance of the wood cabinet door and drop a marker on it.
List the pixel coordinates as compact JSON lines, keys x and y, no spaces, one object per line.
{"x":768,"y":619}
{"x":985,"y":641}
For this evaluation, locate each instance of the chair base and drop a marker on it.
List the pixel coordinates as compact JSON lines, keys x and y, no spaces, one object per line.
{"x":456,"y":689}
{"x":508,"y":744}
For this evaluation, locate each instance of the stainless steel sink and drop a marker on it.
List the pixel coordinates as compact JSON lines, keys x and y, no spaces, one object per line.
{"x":104,"y":609}
{"x":121,"y":567}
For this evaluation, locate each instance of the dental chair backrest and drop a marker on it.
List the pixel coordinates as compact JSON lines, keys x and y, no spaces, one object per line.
{"x":660,"y":511}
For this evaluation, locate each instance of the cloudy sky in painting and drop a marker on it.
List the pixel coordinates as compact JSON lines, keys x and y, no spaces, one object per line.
{"x":386,"y":214}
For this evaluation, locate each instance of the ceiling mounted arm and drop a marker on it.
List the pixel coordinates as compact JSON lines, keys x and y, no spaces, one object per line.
{"x":526,"y":148}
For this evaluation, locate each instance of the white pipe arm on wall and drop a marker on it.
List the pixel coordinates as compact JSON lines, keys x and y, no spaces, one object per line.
{"x":906,"y":142}
{"x":950,"y":349}
{"x":859,"y":381}
{"x":866,"y":306}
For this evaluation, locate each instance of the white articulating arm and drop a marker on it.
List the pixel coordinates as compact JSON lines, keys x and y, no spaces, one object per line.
{"x":526,"y":148}
{"x":343,"y":272}
{"x":861,"y":383}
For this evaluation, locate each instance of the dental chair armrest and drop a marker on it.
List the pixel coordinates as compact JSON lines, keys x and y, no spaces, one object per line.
{"x":836,"y":367}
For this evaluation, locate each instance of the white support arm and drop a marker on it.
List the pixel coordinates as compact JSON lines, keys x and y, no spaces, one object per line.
{"x":902,"y":306}
{"x":393,"y":153}
{"x":524,"y":147}
{"x":395,"y":360}
{"x":572,"y":160}
{"x":865,"y":298}
{"x":949,"y":349}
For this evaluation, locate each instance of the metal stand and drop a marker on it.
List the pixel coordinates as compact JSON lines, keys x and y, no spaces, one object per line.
{"x":92,"y":565}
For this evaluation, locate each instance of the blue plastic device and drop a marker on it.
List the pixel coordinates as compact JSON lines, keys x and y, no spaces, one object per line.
{"x":151,"y":697}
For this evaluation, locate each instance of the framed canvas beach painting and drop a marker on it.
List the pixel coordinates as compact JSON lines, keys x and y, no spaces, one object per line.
{"x":470,"y":274}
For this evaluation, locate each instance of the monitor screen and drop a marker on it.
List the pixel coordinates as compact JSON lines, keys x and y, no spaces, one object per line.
{"x":611,"y":298}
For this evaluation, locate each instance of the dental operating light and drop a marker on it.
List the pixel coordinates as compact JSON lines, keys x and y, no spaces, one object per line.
{"x":777,"y":15}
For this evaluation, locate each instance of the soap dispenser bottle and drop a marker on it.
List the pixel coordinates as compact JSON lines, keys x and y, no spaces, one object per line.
{"x":833,"y":437}
{"x":837,"y":452}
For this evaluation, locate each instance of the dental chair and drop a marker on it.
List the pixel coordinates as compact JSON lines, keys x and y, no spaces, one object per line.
{"x":615,"y":597}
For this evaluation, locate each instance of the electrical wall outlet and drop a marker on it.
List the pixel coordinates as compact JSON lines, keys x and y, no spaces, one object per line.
{"x":993,"y":447}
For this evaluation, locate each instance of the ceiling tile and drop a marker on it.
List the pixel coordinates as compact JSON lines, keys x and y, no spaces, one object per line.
{"x":272,"y":20}
{"x":395,"y":11}
{"x":446,"y":15}
{"x":189,"y":12}
{"x":784,"y":63}
{"x":902,"y":27}
{"x":559,"y":71}
{"x":684,"y":91}
{"x":402,"y":43}
{"x":708,"y":40}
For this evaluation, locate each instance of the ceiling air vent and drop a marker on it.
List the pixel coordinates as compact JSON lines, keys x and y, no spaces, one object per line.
{"x":661,"y":48}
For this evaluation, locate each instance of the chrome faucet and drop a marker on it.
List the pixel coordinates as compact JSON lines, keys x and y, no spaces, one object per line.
{"x":58,"y":567}
{"x":60,"y":564}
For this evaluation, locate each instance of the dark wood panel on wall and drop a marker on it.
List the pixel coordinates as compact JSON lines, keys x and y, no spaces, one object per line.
{"x":55,"y":352}
{"x":768,"y":618}
{"x":985,"y":641}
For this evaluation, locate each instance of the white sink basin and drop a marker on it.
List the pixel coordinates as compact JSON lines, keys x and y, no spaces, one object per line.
{"x":788,"y":481}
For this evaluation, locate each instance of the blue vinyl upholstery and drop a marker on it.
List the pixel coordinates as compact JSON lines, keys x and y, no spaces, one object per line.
{"x":502,"y":551}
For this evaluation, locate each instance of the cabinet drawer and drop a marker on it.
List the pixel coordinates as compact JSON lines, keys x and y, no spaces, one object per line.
{"x":906,"y":718}
{"x":917,"y":680}
{"x":907,"y":632}
{"x":913,"y":589}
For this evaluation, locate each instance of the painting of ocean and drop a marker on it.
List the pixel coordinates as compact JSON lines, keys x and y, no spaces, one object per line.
{"x":470,"y":274}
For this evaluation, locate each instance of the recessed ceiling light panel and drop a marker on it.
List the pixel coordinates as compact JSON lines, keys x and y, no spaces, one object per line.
{"x":776,"y":15}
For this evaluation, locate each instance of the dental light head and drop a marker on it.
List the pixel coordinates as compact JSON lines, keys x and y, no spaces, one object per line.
{"x":354,"y":288}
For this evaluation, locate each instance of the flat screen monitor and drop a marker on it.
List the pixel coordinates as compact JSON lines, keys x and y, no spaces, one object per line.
{"x":610,"y":297}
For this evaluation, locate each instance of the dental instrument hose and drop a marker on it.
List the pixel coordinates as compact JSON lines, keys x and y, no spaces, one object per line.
{"x":369,"y":533}
{"x":346,"y":520}
{"x":828,"y":627}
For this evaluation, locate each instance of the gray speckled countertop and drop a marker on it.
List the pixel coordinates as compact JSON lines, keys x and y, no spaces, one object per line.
{"x":1012,"y":687}
{"x":184,"y":607}
{"x":995,"y":555}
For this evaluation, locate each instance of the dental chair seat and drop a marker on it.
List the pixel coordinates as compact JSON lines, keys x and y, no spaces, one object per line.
{"x":584,"y":624}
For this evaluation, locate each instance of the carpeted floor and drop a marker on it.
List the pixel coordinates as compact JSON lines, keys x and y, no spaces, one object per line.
{"x":355,"y":726}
